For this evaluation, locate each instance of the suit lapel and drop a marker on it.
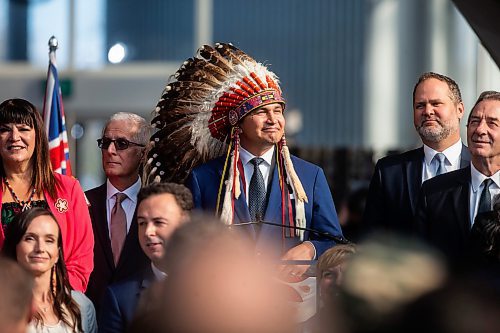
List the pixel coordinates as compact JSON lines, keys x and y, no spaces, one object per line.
{"x":128,"y":246}
{"x":273,"y":210}
{"x":465,"y":157}
{"x":413,"y":169}
{"x":148,"y":278}
{"x":461,"y":202}
{"x":101,"y":224}
{"x":268,"y":234}
{"x":241,"y":213}
{"x":273,"y":199}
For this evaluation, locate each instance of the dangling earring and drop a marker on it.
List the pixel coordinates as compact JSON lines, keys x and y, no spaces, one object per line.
{"x":53,"y":280}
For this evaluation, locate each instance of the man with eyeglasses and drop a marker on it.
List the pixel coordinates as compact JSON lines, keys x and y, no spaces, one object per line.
{"x":117,"y":254}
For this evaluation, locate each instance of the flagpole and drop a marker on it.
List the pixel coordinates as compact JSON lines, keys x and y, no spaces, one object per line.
{"x":53,"y":116}
{"x":53,"y":46}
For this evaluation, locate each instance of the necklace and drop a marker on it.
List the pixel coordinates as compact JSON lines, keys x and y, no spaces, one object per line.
{"x":24,"y":204}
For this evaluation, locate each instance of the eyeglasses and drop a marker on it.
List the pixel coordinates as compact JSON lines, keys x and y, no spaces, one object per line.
{"x":120,"y":143}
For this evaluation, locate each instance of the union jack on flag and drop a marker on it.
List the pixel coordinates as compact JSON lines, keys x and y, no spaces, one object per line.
{"x":53,"y":116}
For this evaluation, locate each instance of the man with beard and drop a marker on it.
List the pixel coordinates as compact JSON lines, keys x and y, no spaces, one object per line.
{"x":448,"y":204}
{"x":396,"y":182}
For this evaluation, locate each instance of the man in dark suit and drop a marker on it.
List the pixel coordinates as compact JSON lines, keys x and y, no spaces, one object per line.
{"x":448,"y":204}
{"x":162,"y":208}
{"x":396,"y":182}
{"x":117,"y":253}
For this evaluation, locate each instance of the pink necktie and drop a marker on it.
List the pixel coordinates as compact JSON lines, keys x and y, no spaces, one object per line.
{"x":118,"y":226}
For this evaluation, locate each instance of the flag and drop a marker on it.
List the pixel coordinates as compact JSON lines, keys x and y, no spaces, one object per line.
{"x":53,"y":116}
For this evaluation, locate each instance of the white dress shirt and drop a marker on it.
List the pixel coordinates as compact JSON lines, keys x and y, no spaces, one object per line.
{"x":246,"y":156}
{"x":159,"y":275}
{"x":476,"y":188}
{"x":128,"y":204}
{"x":452,"y":161}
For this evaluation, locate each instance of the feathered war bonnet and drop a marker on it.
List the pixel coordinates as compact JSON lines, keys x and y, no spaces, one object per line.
{"x":197,"y":120}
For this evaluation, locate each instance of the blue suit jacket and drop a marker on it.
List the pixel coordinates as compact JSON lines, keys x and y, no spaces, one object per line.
{"x":320,"y":210}
{"x":120,"y":302}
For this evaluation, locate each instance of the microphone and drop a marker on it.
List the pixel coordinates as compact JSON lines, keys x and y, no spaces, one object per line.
{"x":336,"y":239}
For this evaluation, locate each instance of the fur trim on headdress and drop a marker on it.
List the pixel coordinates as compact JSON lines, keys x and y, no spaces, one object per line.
{"x":232,"y":183}
{"x":298,"y":190}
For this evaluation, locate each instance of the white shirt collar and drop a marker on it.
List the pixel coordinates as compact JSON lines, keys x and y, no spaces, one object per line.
{"x":131,"y":191}
{"x":159,"y":275}
{"x":452,"y":153}
{"x":246,"y":156}
{"x":477,"y":178}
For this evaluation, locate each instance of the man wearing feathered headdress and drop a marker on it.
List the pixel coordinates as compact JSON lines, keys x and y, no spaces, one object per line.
{"x":221,"y":122}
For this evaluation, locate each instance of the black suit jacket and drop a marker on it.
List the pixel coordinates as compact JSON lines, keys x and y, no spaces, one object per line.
{"x":443,"y":213}
{"x":132,"y":258}
{"x":394,"y":189}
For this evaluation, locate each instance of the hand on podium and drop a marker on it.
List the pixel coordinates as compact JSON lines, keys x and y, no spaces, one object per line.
{"x":303,"y":251}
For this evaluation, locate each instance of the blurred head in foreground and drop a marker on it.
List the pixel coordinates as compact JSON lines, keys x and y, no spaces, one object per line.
{"x":388,"y":274}
{"x":16,"y":300}
{"x":461,"y":306}
{"x":214,"y":284}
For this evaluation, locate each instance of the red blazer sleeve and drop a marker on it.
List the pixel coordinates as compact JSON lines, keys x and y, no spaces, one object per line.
{"x":71,"y":211}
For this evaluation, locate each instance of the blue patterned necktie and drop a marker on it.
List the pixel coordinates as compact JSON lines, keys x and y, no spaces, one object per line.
{"x":256,"y":192}
{"x":485,"y":199}
{"x":440,"y":158}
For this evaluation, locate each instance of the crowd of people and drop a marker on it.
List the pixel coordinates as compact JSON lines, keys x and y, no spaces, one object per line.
{"x":205,"y":223}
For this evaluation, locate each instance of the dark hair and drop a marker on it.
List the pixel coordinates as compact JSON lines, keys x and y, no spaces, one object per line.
{"x":20,"y":111}
{"x":63,"y":302}
{"x":489,"y":95}
{"x":182,"y":194}
{"x":455,"y":96}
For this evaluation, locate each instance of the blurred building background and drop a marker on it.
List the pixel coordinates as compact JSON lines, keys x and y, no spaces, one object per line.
{"x":347,"y":67}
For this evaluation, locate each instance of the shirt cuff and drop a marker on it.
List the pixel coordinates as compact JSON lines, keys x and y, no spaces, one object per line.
{"x":314,"y":256}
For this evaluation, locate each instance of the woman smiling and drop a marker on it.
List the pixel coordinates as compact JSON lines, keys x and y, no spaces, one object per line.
{"x":34,"y":240}
{"x":27,"y":181}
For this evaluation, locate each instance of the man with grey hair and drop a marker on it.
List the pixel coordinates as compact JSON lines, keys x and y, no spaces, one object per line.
{"x":117,"y":253}
{"x":448,"y":204}
{"x":396,"y":182}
